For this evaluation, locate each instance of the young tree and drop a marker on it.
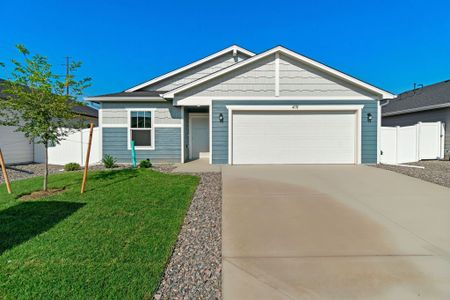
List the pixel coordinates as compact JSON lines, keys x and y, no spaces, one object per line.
{"x":36,"y":101}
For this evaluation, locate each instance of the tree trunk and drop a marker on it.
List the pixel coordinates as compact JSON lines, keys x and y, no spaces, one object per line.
{"x":46,"y":168}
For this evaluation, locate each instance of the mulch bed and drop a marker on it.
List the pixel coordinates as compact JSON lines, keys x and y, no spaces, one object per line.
{"x":39,"y":194}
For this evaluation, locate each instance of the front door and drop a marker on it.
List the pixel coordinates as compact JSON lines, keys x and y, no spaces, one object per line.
{"x":199,"y":135}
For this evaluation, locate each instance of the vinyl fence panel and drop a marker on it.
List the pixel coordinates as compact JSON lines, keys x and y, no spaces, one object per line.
{"x":72,"y":149}
{"x":412,"y":143}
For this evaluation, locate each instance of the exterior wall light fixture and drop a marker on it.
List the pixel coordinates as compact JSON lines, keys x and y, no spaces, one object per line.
{"x":221,"y":118}
{"x":369,"y":117}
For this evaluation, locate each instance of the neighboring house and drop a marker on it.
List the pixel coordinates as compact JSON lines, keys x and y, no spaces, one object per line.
{"x":427,"y":104}
{"x":237,"y":107}
{"x":17,"y":149}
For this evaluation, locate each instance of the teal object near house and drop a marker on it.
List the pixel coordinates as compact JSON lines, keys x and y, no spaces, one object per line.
{"x":133,"y":155}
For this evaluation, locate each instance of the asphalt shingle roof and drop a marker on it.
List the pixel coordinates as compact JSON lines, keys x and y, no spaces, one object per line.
{"x":431,"y":95}
{"x":78,"y":109}
{"x":132,"y":94}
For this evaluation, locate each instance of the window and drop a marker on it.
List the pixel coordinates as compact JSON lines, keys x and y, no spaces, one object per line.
{"x":141,"y":130}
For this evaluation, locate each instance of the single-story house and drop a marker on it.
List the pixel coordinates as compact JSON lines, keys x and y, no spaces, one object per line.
{"x":17,"y":149}
{"x":425,"y":104}
{"x":238,"y":107}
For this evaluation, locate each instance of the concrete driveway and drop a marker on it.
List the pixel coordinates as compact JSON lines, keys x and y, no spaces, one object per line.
{"x":333,"y":232}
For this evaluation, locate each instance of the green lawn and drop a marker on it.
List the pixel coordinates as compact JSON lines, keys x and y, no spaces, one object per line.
{"x":111,"y":242}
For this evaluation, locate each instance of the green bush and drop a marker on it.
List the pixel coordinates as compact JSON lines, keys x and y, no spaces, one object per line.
{"x":146,"y":163}
{"x":71,"y":167}
{"x":108,"y":161}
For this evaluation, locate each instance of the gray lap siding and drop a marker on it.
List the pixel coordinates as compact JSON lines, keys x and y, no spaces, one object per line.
{"x":220,"y":129}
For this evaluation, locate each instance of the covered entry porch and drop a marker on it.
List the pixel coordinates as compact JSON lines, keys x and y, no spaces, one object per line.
{"x":196,"y":133}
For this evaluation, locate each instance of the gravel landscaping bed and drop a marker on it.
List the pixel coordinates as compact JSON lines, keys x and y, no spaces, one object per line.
{"x":195,"y":268}
{"x":31,"y":170}
{"x":436,"y":171}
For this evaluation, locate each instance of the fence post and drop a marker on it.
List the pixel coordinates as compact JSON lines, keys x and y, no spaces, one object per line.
{"x":397,"y":129}
{"x":418,"y":137}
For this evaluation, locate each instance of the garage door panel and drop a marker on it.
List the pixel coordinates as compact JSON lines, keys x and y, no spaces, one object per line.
{"x":293,"y":137}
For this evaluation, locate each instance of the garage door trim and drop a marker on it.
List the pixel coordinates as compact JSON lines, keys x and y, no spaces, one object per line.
{"x":357,"y":109}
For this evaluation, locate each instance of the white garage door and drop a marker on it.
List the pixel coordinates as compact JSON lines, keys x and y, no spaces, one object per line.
{"x":277,"y":137}
{"x":15,"y":147}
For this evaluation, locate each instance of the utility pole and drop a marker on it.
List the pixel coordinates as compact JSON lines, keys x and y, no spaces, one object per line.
{"x":67,"y":75}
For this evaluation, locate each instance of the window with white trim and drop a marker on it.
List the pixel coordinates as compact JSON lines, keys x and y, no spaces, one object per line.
{"x":141,"y":129}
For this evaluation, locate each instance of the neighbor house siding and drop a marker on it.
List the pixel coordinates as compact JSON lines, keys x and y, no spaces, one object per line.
{"x":197,"y":72}
{"x":435,"y":115}
{"x":16,"y":148}
{"x":220,"y":130}
{"x":167,"y":145}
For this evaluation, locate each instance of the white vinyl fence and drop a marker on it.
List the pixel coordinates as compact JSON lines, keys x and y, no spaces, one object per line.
{"x":72,"y":149}
{"x":412,"y":143}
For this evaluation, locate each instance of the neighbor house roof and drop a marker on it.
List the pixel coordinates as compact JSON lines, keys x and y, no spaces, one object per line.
{"x":280,"y":49}
{"x":429,"y":97}
{"x":81,"y":110}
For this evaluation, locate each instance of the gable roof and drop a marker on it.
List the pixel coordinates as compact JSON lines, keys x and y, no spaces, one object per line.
{"x":189,"y":66}
{"x":428,"y":97}
{"x":280,"y":49}
{"x":138,"y":95}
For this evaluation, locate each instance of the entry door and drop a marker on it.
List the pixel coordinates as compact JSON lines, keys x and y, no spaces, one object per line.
{"x":272,"y":137}
{"x":199,"y":134}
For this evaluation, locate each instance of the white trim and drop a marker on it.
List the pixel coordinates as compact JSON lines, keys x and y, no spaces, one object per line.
{"x":277,"y":74}
{"x":411,"y":110}
{"x":182,"y":135}
{"x":233,"y":48}
{"x":191,"y":116}
{"x":378,"y":132}
{"x":205,"y":101}
{"x":210,"y":135}
{"x":356,"y":108}
{"x":115,"y":125}
{"x":168,"y":125}
{"x":131,"y":98}
{"x":383,"y":94}
{"x":100,"y":130}
{"x":298,"y":107}
{"x":152,"y":129}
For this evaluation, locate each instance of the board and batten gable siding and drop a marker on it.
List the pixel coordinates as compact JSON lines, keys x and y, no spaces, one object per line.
{"x":167,"y":139}
{"x":117,"y":113}
{"x":277,"y":72}
{"x":255,"y":80}
{"x":435,"y":115}
{"x":220,"y":129}
{"x":300,"y":80}
{"x":197,"y":72}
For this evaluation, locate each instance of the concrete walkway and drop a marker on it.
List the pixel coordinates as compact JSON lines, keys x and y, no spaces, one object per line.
{"x":197,"y":166}
{"x":333,"y":232}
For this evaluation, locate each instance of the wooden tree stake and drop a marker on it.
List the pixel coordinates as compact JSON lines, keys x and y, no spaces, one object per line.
{"x":5,"y":174}
{"x":86,"y":164}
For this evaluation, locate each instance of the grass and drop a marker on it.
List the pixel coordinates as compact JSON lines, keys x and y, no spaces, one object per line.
{"x":111,"y":242}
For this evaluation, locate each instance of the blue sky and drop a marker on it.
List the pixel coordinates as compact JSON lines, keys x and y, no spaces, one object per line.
{"x":391,"y":44}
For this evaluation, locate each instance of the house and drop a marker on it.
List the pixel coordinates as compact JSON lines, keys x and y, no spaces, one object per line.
{"x":17,"y":149}
{"x":426,"y":104}
{"x":238,"y":107}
